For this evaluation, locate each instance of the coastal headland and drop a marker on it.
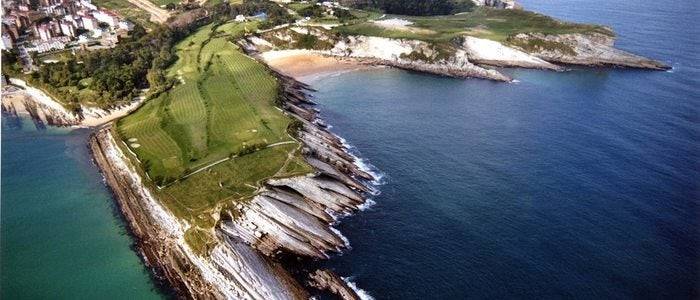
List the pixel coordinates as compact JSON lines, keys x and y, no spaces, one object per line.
{"x":230,"y":166}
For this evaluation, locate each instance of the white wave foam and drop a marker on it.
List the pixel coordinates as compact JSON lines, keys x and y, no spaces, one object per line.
{"x":364,"y":295}
{"x":367,"y":205}
{"x":370,"y":169}
{"x":342,"y":237}
{"x":364,"y":166}
{"x":337,"y":216}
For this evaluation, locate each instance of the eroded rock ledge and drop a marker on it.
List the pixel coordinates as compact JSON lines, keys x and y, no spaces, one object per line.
{"x":464,"y":56}
{"x":327,"y":280}
{"x":288,"y":215}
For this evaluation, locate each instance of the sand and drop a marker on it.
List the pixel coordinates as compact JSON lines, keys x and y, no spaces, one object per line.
{"x":306,"y":65}
{"x":98,"y":117}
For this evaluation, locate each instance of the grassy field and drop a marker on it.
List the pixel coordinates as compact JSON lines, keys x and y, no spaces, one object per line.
{"x":215,"y":137}
{"x":127,"y":10}
{"x":298,"y":6}
{"x":163,"y":3}
{"x":493,"y":24}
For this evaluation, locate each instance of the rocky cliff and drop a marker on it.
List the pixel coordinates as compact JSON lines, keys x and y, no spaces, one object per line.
{"x":400,"y":53}
{"x":487,"y":52}
{"x":290,"y":215}
{"x":587,"y":49}
{"x":464,"y":56}
{"x":22,"y":98}
{"x":503,"y":4}
{"x":414,"y":55}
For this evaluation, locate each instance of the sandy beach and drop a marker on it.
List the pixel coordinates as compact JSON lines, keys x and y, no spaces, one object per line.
{"x":305,"y":65}
{"x":95,"y":117}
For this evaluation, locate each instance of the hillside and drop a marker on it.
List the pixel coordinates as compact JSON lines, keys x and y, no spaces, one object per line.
{"x":215,"y":136}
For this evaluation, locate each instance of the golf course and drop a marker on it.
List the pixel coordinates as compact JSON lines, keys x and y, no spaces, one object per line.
{"x":210,"y":141}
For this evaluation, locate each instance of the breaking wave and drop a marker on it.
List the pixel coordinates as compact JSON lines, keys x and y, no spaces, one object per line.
{"x":364,"y":295}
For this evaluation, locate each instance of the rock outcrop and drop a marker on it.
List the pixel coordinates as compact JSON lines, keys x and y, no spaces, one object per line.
{"x":587,"y":49}
{"x":327,"y":280}
{"x":464,"y":56}
{"x":414,"y":55}
{"x":291,"y":215}
{"x":487,"y":52}
{"x":41,"y":108}
{"x":44,"y":110}
{"x":232,"y":270}
{"x":406,"y":54}
{"x":503,"y":4}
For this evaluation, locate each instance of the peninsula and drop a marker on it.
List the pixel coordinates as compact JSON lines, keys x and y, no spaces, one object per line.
{"x":212,"y":146}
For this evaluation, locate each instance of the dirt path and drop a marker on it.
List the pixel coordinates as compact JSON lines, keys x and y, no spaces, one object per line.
{"x":226,"y":159}
{"x":158,"y":15}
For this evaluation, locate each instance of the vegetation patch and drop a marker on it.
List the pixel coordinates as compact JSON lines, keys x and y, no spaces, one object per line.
{"x":307,"y":38}
{"x":127,"y":10}
{"x":538,"y":45}
{"x":213,"y":139}
{"x":482,"y":22}
{"x":416,"y":7}
{"x":105,"y":77}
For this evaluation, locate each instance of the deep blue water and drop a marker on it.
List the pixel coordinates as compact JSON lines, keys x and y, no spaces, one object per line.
{"x":582,"y":184}
{"x":60,"y":235}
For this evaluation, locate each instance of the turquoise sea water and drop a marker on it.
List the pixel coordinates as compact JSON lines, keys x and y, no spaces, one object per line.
{"x":583,"y":184}
{"x":60,"y":236}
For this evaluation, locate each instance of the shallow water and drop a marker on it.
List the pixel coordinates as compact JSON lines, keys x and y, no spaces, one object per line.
{"x":581,"y":184}
{"x":61,"y":235}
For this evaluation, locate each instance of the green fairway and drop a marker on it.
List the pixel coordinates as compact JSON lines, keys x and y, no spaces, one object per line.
{"x":212,"y":139}
{"x":494,"y":24}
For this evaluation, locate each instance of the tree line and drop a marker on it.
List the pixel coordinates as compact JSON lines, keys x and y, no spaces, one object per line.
{"x":414,"y":7}
{"x":113,"y":76}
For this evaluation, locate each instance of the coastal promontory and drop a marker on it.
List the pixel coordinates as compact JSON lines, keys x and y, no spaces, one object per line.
{"x":211,"y":142}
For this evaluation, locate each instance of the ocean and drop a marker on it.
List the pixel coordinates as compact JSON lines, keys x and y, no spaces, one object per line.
{"x":583,"y":184}
{"x":61,"y":236}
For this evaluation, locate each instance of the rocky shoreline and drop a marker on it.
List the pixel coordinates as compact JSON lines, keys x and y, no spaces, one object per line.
{"x":21,"y":98}
{"x":467,"y":56}
{"x":289,"y":215}
{"x":294,"y":216}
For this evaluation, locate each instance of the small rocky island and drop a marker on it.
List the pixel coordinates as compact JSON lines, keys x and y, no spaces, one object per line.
{"x":223,"y":165}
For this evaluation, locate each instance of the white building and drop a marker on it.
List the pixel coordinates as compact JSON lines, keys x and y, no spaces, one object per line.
{"x":126,"y":25}
{"x":6,"y":41}
{"x":97,"y":33}
{"x":89,"y":23}
{"x":73,"y":20}
{"x":44,"y":32}
{"x":88,"y":4}
{"x":106,"y":17}
{"x":58,"y":43}
{"x":67,"y":29}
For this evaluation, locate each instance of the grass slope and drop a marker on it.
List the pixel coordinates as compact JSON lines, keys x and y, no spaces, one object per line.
{"x":217,"y":133}
{"x":483,"y":22}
